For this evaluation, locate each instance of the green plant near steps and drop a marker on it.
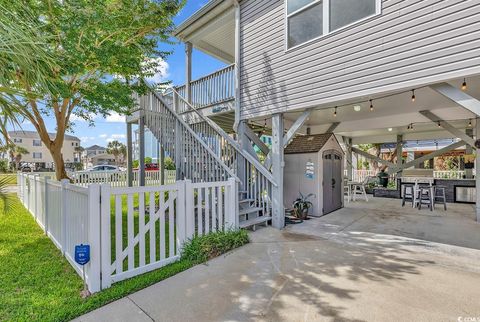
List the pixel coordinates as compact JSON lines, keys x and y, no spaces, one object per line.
{"x":201,"y":249}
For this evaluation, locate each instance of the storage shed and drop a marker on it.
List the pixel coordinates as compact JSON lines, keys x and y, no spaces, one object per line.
{"x":314,"y":164}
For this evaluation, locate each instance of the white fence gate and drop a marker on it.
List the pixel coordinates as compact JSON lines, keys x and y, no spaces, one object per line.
{"x":130,"y":230}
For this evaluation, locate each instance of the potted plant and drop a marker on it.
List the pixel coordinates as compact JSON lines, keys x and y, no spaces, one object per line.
{"x":302,"y":205}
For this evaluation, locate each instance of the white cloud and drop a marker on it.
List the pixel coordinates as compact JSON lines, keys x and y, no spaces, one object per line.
{"x":85,"y":139}
{"x":160,"y":71}
{"x":114,"y":117}
{"x":103,"y":136}
{"x":115,"y":137}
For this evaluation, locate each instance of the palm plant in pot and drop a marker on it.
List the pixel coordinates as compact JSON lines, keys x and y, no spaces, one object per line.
{"x":302,"y":205}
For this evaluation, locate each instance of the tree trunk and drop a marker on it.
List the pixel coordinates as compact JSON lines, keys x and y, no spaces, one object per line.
{"x":57,"y":156}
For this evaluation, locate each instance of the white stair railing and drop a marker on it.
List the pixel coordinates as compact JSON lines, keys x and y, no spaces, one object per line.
{"x":256,"y":180}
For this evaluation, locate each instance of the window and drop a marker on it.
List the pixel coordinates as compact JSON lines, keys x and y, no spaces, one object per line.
{"x":37,"y":155}
{"x":16,"y":140}
{"x":310,"y":19}
{"x":37,"y":142}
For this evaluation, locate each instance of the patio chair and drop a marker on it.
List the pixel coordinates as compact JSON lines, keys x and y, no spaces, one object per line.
{"x":360,"y":188}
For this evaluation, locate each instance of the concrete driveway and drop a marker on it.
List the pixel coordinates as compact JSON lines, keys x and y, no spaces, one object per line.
{"x":293,"y":276}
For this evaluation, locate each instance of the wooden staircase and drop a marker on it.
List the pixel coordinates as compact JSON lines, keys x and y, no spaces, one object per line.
{"x":204,"y":152}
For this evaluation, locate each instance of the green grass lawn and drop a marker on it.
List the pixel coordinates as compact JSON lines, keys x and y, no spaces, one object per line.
{"x":38,"y":284}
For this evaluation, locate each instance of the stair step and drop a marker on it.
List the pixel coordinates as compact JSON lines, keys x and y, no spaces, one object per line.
{"x":246,"y":200}
{"x":247,"y":211}
{"x":254,"y":221}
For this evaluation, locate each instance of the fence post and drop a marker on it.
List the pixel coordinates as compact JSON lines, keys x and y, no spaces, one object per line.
{"x":189,"y":211}
{"x":45,"y":205}
{"x":105,"y":238}
{"x":35,"y":193}
{"x":63,"y":216}
{"x":94,"y":226}
{"x":232,"y":208}
{"x":181,"y":215}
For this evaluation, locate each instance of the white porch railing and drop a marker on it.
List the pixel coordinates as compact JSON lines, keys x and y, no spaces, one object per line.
{"x":452,"y":174}
{"x":360,"y":175}
{"x":119,"y":178}
{"x":130,"y":230}
{"x":213,"y":89}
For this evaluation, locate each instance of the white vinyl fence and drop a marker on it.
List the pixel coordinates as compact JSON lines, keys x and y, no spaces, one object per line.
{"x":119,"y":178}
{"x":130,"y":230}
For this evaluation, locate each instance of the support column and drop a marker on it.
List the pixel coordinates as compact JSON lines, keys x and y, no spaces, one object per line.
{"x":129,"y":155}
{"x":278,"y":164}
{"x":399,"y":153}
{"x":188,"y":71}
{"x":469,"y":150}
{"x":348,"y":143}
{"x":243,"y":141}
{"x":141,"y":151}
{"x":477,"y":172}
{"x":162,"y":164}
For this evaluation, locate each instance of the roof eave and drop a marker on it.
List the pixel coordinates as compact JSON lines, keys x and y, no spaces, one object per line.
{"x":177,"y":33}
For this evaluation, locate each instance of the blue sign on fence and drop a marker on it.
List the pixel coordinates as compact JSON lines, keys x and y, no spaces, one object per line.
{"x":82,"y":254}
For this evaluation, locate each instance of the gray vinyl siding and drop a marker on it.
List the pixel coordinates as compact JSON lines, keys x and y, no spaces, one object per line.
{"x":412,"y":43}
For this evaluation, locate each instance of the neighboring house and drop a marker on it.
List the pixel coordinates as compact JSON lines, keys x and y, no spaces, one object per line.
{"x":369,"y":71}
{"x":39,"y":156}
{"x":90,"y":152}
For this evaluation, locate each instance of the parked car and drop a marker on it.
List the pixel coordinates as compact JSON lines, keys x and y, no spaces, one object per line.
{"x":26,"y":168}
{"x":150,"y":167}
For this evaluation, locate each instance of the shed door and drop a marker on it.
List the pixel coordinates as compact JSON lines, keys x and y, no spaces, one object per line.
{"x":332,"y":181}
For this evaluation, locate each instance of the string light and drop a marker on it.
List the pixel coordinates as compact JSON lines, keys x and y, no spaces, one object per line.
{"x":371,"y":105}
{"x":470,"y":123}
{"x":439,"y":124}
{"x":410,"y":127}
{"x":413,"y":96}
{"x":335,"y":112}
{"x":464,"y":85}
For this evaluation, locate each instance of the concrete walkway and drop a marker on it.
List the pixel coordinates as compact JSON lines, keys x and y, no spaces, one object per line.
{"x":290,"y":276}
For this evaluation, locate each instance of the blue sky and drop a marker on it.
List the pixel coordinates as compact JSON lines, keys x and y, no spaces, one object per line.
{"x":113,"y":127}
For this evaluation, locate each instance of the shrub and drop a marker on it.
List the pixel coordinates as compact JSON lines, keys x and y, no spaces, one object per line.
{"x":201,"y":249}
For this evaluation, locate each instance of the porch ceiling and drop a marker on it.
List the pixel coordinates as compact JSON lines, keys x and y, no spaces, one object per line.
{"x":392,"y":115}
{"x":211,"y":30}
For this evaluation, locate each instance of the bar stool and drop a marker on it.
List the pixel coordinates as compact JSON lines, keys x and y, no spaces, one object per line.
{"x":426,"y":197}
{"x":408,"y":191}
{"x":440,"y":197}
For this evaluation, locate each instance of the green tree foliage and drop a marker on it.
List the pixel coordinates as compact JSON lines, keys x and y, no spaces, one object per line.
{"x":117,"y":149}
{"x":101,"y":50}
{"x":169,"y":164}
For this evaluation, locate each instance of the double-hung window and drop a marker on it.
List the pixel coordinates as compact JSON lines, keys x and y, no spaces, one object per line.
{"x":37,"y":142}
{"x":311,"y":19}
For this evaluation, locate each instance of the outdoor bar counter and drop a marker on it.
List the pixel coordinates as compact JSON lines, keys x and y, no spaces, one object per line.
{"x":456,"y":190}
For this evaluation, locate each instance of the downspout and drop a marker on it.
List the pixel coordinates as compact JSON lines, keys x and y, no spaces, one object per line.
{"x":236,"y":4}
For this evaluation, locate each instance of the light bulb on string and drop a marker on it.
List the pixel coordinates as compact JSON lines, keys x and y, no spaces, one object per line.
{"x":464,"y":85}
{"x":413,"y":96}
{"x":470,"y":123}
{"x":335,"y":112}
{"x":371,"y":105}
